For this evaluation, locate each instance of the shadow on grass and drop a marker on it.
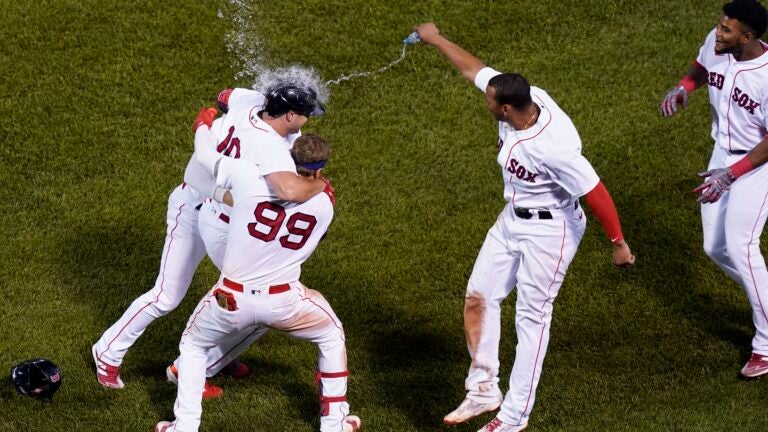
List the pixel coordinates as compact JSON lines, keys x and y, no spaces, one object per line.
{"x":671,"y":244}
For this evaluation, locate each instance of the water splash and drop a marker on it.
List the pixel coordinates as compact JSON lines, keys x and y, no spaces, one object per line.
{"x":242,"y":41}
{"x":369,"y":73}
{"x":299,"y":76}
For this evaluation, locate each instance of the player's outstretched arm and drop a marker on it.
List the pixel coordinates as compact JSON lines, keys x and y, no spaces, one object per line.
{"x":292,"y":187}
{"x":463,"y":61}
{"x":601,"y":204}
{"x":719,"y":180}
{"x":677,"y":98}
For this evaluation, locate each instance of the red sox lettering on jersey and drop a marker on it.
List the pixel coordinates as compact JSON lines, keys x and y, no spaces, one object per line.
{"x":744,"y":101}
{"x":521,"y":172}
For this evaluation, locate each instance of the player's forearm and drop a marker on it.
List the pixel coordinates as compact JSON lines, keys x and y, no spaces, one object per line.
{"x":695,"y":78}
{"x":291,"y":187}
{"x":601,"y":204}
{"x":205,"y":154}
{"x":467,"y":64}
{"x":759,"y":155}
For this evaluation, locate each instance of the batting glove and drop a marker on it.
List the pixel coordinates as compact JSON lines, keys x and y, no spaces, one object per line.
{"x":717,"y":182}
{"x":204,"y":117}
{"x":222,"y":100}
{"x":677,"y":98}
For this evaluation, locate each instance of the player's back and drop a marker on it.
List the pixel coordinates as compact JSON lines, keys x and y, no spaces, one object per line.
{"x":268,"y":239}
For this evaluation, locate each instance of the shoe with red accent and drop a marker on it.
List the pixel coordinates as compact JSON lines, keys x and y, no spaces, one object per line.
{"x":108,"y":375}
{"x":352,"y":423}
{"x":756,"y":366}
{"x":164,"y":426}
{"x":236,"y":369}
{"x":469,"y":409}
{"x":497,"y":425}
{"x":210,"y":391}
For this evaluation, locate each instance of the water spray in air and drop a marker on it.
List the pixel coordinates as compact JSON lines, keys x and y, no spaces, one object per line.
{"x":410,"y":40}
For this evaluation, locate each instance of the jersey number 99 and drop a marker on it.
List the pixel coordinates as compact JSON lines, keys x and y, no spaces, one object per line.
{"x":273,"y":219}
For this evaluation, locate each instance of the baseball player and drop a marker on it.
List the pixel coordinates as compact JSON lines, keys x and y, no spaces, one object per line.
{"x":533,"y":240}
{"x":259,"y":286}
{"x":184,"y":249}
{"x":733,"y":63}
{"x":248,"y":119}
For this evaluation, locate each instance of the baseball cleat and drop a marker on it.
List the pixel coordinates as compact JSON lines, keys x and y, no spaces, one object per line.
{"x":108,"y":375}
{"x":164,"y":426}
{"x":497,"y":425}
{"x":352,"y":423}
{"x":756,"y":366}
{"x":470,"y":409}
{"x":210,"y":391}
{"x":236,"y":369}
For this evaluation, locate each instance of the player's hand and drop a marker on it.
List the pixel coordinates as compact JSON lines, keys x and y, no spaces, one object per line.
{"x":427,"y":32}
{"x":622,"y":255}
{"x":222,"y":100}
{"x":204,"y":117}
{"x":717,"y":182}
{"x":675,"y":100}
{"x":328,"y":189}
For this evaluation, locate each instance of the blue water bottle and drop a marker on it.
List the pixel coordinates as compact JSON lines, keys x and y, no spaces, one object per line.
{"x":412,"y":39}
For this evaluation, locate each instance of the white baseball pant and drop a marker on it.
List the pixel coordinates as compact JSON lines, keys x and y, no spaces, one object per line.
{"x":300,"y":312}
{"x":214,"y":228}
{"x":182,"y":252}
{"x":732,"y":227}
{"x":532,"y":254}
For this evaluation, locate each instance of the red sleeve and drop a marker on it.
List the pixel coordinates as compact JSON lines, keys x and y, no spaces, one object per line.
{"x":601,"y":203}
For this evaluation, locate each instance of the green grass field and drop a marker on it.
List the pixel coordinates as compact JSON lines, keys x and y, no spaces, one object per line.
{"x":97,"y":100}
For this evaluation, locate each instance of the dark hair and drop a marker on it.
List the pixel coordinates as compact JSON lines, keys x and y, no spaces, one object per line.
{"x":308,"y":150}
{"x":750,"y":13}
{"x":511,"y":89}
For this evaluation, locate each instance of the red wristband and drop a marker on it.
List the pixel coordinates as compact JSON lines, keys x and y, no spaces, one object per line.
{"x":687,"y":83}
{"x":742,"y":167}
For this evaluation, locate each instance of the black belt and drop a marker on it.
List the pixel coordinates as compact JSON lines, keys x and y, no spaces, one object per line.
{"x":524,"y":213}
{"x":738,"y":152}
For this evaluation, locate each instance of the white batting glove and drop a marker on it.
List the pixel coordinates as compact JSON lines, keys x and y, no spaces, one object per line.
{"x":717,"y":182}
{"x":677,"y":98}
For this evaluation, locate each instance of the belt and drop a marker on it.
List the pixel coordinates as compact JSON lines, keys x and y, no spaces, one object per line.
{"x":274,"y":289}
{"x":524,"y":213}
{"x":737,"y":152}
{"x":224,"y":218}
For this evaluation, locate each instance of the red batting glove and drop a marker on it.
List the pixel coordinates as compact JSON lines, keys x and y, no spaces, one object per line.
{"x":204,"y":117}
{"x":328,"y":189}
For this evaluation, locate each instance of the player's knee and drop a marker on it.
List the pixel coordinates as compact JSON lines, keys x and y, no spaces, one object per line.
{"x":716,"y":251}
{"x":473,"y":303}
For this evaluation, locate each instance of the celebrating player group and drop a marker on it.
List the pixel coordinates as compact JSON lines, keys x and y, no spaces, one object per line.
{"x":254,"y":200}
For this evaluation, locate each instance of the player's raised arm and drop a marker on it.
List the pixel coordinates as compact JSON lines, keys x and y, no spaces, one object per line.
{"x":463,"y":61}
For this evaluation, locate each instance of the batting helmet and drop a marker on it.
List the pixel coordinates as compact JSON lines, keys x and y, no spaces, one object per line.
{"x":39,"y":378}
{"x":292,"y":98}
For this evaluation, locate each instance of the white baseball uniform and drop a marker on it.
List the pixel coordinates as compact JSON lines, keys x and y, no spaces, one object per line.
{"x":241,"y":134}
{"x":267,"y":243}
{"x":738,"y":94}
{"x":529,"y":247}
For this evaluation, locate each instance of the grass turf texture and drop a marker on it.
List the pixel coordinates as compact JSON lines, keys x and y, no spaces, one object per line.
{"x":98,"y":98}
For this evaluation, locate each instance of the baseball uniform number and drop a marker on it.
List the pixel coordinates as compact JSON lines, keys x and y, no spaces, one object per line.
{"x":272,"y":215}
